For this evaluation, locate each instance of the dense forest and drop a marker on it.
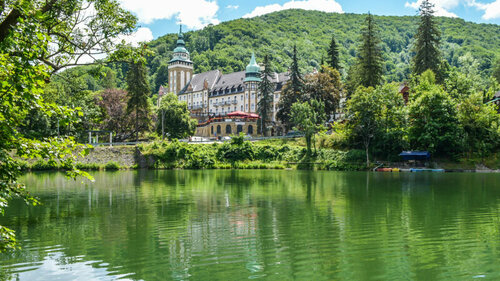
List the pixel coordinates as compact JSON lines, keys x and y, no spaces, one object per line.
{"x":228,"y":46}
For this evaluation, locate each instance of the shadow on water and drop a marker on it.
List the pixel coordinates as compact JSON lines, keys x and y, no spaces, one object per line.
{"x":239,"y":224}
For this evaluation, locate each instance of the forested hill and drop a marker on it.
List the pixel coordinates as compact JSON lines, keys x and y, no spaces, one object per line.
{"x":228,"y":46}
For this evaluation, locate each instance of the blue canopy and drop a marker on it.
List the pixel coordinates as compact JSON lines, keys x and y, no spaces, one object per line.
{"x":415,"y":155}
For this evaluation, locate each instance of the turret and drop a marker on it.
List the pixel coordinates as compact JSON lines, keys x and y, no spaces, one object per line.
{"x":180,"y":67}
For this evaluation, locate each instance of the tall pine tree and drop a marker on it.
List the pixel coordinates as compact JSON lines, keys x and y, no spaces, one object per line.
{"x":266,"y":89}
{"x":138,"y":91}
{"x":333,"y":55}
{"x":427,"y":40}
{"x":291,"y":92}
{"x":370,"y":56}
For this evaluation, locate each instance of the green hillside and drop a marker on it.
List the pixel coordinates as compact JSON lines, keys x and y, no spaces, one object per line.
{"x":228,"y":46}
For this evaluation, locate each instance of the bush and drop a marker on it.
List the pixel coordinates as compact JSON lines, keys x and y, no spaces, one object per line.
{"x":88,"y":166}
{"x":112,"y":166}
{"x":43,"y":165}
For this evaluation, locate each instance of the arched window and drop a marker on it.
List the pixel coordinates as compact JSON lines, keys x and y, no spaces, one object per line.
{"x":219,"y":130}
{"x":228,"y":129}
{"x":212,"y":130}
{"x":239,"y":129}
{"x":250,"y":129}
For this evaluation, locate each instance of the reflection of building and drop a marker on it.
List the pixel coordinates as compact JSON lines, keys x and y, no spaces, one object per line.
{"x":214,"y":94}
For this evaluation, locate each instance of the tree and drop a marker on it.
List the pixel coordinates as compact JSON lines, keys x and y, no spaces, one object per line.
{"x":481,"y":125}
{"x":433,"y":119}
{"x":363,"y":115}
{"x":174,"y":118}
{"x":291,"y":92}
{"x":161,"y":78}
{"x":26,"y":28}
{"x":113,"y":105}
{"x":308,"y":117}
{"x":266,"y":89}
{"x":391,"y":138}
{"x":496,"y":71}
{"x":325,"y":86}
{"x":333,"y":55}
{"x":108,"y":80}
{"x":138,"y":92}
{"x":427,"y":40}
{"x":369,"y":65}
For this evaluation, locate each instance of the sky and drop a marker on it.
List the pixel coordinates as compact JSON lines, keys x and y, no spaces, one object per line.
{"x":159,"y":17}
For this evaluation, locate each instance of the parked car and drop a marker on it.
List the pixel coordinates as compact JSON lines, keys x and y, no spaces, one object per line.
{"x":226,"y":138}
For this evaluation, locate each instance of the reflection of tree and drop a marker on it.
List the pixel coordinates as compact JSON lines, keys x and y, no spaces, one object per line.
{"x":238,"y":224}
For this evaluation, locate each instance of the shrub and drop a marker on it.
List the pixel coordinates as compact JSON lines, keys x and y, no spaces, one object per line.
{"x":43,"y":165}
{"x":112,"y":166}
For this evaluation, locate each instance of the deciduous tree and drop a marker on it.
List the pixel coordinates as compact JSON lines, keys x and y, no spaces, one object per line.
{"x":174,"y":118}
{"x":308,"y":117}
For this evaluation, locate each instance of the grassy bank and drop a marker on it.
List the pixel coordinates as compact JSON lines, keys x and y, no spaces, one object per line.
{"x":240,"y":154}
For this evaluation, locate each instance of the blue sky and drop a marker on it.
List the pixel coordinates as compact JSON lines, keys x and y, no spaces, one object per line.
{"x":158,"y":17}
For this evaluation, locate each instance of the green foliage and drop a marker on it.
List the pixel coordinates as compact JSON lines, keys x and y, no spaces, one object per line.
{"x":434,"y":124}
{"x":481,"y":125}
{"x":27,"y":64}
{"x":324,"y":86}
{"x":363,"y":112}
{"x":427,"y":41}
{"x":112,"y":166}
{"x":237,"y":150}
{"x":496,"y":71}
{"x":174,"y":118}
{"x":369,"y":64}
{"x":333,"y":55}
{"x":138,"y":92}
{"x":308,"y":117}
{"x":292,"y":92}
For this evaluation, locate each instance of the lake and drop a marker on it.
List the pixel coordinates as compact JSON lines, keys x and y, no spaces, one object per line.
{"x":257,"y":224}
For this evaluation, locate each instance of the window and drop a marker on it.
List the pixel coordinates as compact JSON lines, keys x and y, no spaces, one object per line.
{"x":241,"y":97}
{"x":241,"y":108}
{"x":253,"y":106}
{"x":228,"y":129}
{"x":250,"y":129}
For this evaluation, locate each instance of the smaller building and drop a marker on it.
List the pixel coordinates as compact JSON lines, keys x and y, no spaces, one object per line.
{"x":404,"y":90}
{"x":232,"y":123}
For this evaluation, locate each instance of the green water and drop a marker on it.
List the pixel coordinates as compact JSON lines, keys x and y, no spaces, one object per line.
{"x":271,"y":225}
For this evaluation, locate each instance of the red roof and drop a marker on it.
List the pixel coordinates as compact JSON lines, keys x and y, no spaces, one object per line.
{"x":242,"y":114}
{"x":237,"y":113}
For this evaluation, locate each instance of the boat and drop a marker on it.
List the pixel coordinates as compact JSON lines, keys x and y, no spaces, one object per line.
{"x":416,"y":170}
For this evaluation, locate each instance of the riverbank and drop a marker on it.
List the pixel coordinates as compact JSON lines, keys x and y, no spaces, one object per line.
{"x":275,"y":154}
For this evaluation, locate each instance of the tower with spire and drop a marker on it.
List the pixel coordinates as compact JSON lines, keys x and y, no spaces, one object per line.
{"x":252,"y":79}
{"x":180,"y":67}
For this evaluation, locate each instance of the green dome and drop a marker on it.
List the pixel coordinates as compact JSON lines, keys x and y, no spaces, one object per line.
{"x":252,"y":71}
{"x":180,"y":49}
{"x":253,"y":67}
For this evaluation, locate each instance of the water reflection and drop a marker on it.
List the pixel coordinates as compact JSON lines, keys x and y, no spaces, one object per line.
{"x":278,"y":225}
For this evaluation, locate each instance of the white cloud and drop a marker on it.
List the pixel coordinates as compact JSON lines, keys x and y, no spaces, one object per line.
{"x":142,"y":34}
{"x":441,"y":8}
{"x":491,"y":10}
{"x":330,"y":6}
{"x":234,"y":7}
{"x":193,"y":13}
